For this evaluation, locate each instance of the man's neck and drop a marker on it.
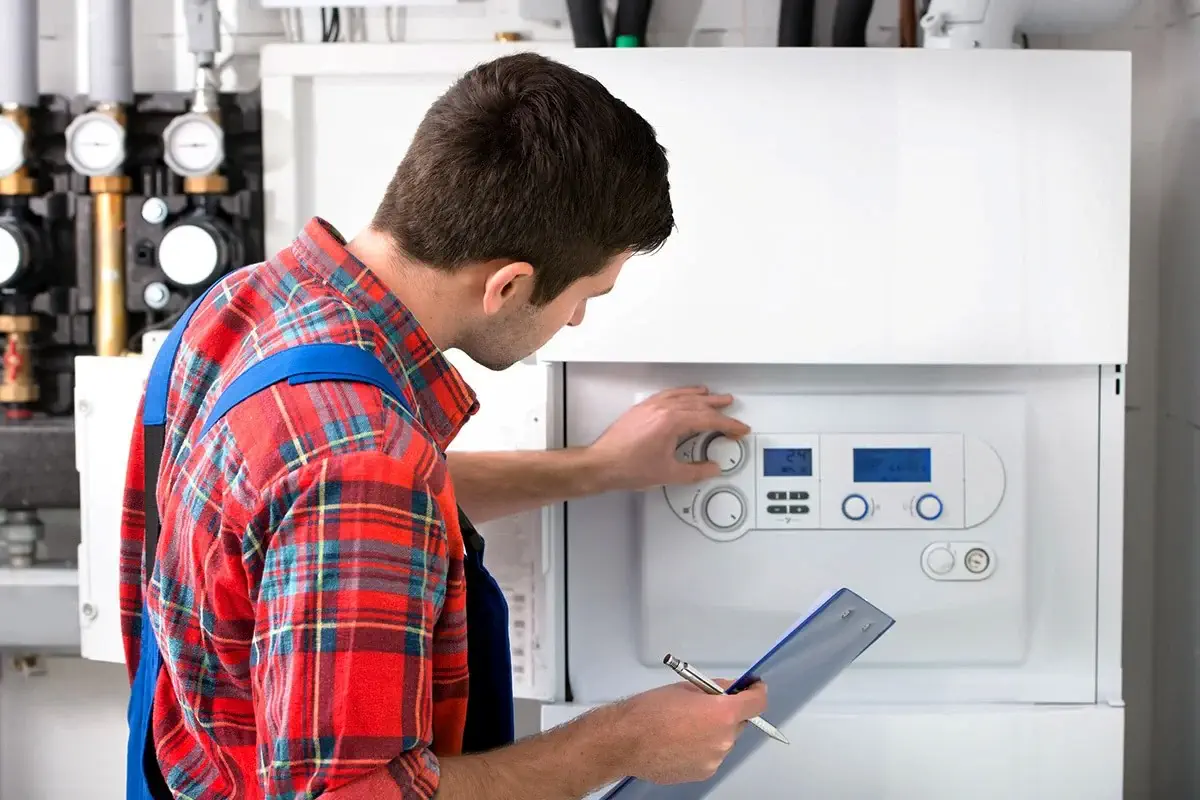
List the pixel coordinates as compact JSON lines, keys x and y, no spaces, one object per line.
{"x":417,"y":287}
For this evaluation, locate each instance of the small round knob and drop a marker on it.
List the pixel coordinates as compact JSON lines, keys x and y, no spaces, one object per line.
{"x":725,"y":452}
{"x":977,"y":560}
{"x":929,"y":507}
{"x":855,"y":507}
{"x":724,"y":509}
{"x":939,"y":560}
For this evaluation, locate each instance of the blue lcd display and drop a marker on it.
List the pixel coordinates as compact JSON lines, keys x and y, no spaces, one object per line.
{"x":787,"y":462}
{"x":892,"y":465}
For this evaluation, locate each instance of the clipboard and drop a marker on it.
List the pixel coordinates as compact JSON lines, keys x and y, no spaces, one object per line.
{"x":796,"y":669}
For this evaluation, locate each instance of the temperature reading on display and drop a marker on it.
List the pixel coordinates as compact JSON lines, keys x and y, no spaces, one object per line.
{"x":892,"y":465}
{"x":785,"y":462}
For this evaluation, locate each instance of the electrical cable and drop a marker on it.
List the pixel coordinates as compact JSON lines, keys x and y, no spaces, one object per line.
{"x":331,"y":24}
{"x":850,"y":21}
{"x":796,"y":23}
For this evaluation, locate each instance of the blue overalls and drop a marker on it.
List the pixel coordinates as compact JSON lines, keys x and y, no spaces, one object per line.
{"x":489,"y":661}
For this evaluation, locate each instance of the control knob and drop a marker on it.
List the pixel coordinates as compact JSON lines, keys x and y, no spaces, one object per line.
{"x":855,"y":507}
{"x":727,"y":453}
{"x":724,"y":509}
{"x":929,"y":507}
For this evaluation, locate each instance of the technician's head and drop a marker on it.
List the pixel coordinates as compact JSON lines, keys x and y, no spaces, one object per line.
{"x":534,"y":184}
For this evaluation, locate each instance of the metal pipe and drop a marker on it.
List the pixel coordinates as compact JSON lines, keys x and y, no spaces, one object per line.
{"x":18,"y":54}
{"x":108,"y":263}
{"x":110,"y":52}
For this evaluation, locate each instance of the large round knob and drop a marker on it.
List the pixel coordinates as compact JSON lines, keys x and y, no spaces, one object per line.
{"x":855,"y":507}
{"x":939,"y":560}
{"x":725,"y":452}
{"x":929,"y":507}
{"x":724,"y":509}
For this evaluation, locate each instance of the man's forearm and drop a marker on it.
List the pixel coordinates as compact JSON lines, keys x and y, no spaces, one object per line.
{"x":494,"y":485}
{"x":563,"y":764}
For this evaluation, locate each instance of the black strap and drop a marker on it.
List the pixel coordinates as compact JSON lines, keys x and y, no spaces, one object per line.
{"x":471,"y":537}
{"x":153,"y":442}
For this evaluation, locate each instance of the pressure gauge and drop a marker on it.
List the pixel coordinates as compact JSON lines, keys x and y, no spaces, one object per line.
{"x":12,"y":147}
{"x":13,"y":252}
{"x":193,"y":145}
{"x":192,"y":254}
{"x":95,"y":144}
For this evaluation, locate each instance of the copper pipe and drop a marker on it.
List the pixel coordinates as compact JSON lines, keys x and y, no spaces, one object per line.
{"x":908,"y":23}
{"x":108,"y":263}
{"x":110,"y":321}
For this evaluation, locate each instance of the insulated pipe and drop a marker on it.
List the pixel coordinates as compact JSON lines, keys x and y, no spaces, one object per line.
{"x":796,"y":22}
{"x":110,"y":52}
{"x":850,"y":22}
{"x":18,"y":54}
{"x":587,"y":23}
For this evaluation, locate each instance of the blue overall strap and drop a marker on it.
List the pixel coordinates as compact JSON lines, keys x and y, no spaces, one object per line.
{"x":143,"y":777}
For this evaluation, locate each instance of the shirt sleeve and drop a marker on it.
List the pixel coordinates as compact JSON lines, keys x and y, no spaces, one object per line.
{"x":354,"y":572}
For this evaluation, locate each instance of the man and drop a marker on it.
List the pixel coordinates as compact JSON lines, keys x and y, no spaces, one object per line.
{"x":309,"y":594}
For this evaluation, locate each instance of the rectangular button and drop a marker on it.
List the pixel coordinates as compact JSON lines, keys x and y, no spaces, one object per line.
{"x":777,"y":495}
{"x":798,"y":510}
{"x":797,"y":496}
{"x":776,"y":509}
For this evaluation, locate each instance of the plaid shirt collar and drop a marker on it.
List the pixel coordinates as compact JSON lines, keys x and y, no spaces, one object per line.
{"x":444,"y":400}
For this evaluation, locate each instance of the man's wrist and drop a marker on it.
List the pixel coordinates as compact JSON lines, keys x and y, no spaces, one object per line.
{"x":595,"y":471}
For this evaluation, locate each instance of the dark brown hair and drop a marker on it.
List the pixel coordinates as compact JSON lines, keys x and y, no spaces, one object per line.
{"x":527,"y":159}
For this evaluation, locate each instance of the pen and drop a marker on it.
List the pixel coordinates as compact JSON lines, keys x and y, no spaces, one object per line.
{"x":704,"y":684}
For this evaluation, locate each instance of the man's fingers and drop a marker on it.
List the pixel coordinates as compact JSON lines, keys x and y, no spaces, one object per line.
{"x":717,"y":400}
{"x":681,"y":391}
{"x":701,"y":471}
{"x":710,"y":419}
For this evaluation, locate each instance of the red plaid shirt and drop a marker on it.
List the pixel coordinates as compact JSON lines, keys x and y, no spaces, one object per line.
{"x":309,"y":598}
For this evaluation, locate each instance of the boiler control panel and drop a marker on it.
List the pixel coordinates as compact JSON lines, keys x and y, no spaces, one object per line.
{"x":786,"y":481}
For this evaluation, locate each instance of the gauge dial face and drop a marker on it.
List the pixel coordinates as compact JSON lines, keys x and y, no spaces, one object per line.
{"x":193,"y":145}
{"x":10,"y":256}
{"x":12,"y":147}
{"x":95,"y":144}
{"x":188,"y":255}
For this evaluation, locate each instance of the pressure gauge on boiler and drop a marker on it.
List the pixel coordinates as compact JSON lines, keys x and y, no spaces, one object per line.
{"x":12,"y":147}
{"x":95,"y":144}
{"x":193,"y":145}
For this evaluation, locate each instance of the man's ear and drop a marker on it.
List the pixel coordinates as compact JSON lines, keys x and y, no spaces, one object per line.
{"x":510,"y":281}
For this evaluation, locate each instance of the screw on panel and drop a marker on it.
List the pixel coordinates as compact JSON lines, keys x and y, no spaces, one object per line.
{"x":83,"y":407}
{"x":89,"y":611}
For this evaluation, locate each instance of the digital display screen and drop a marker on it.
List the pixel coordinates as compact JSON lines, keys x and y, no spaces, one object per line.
{"x":787,"y":462}
{"x":892,"y":465}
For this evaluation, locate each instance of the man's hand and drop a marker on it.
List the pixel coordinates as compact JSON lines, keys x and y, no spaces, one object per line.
{"x":638,"y":450}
